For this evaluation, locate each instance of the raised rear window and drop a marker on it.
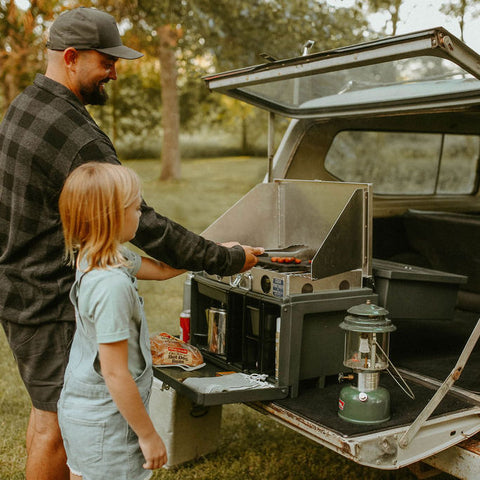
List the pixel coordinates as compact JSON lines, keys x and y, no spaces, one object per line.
{"x":420,"y":70}
{"x":413,"y":79}
{"x":399,"y":163}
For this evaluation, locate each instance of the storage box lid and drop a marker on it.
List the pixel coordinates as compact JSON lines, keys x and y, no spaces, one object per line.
{"x":402,"y":271}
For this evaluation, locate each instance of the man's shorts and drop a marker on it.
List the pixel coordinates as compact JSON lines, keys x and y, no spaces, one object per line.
{"x":41,"y":352}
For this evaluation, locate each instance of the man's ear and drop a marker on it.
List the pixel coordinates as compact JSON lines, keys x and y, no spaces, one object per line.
{"x":70,"y":56}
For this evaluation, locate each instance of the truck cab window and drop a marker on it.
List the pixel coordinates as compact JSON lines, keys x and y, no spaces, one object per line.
{"x":406,"y":163}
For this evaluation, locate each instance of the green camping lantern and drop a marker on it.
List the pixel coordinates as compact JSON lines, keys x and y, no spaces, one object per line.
{"x":367,"y":339}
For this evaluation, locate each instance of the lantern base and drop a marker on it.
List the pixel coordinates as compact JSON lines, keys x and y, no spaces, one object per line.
{"x":370,"y":407}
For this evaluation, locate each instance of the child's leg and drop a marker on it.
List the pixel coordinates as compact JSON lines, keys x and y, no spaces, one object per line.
{"x":75,"y":477}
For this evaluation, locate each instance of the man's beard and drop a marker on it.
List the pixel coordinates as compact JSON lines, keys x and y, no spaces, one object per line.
{"x":94,"y":95}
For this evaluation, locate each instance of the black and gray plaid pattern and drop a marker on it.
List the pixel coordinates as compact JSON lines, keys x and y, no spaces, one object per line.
{"x":45,"y":134}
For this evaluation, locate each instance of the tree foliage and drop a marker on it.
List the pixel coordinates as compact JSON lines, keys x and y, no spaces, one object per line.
{"x":183,"y":40}
{"x":459,"y":9}
{"x":392,"y":7}
{"x":133,"y":113}
{"x":21,"y":42}
{"x":238,"y":33}
{"x":190,"y":37}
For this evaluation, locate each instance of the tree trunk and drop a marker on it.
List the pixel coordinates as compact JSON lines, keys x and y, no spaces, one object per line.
{"x":461,"y":20}
{"x":395,"y":15}
{"x":170,"y":111}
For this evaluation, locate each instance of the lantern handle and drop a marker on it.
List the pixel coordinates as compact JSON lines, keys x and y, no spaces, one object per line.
{"x":407,"y":390}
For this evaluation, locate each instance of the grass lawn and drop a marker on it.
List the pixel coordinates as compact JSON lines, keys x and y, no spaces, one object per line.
{"x":252,"y":446}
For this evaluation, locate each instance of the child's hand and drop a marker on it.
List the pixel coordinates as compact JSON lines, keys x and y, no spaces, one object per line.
{"x":154,"y":451}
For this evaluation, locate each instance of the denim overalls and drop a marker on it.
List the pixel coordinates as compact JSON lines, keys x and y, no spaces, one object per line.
{"x":98,"y":440}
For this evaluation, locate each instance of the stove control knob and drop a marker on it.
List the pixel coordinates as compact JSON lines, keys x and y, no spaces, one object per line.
{"x":266,"y":284}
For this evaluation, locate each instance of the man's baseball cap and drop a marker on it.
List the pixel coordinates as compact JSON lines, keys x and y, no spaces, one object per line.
{"x":88,"y":29}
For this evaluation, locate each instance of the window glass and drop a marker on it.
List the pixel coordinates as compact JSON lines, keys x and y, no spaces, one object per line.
{"x":405,"y":163}
{"x":409,"y":78}
{"x":459,"y":164}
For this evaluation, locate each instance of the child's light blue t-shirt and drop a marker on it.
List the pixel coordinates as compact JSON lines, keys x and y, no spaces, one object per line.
{"x":111,"y":309}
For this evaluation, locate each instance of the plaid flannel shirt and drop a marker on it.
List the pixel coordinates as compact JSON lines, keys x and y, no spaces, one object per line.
{"x":45,"y":134}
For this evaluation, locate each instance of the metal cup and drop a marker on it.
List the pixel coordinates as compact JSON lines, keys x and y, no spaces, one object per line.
{"x":217,"y":324}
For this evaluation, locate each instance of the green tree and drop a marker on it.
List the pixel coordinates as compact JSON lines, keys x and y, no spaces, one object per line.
{"x":153,"y":30}
{"x":227,"y":35}
{"x":238,"y":34}
{"x":21,"y":44}
{"x":392,"y":7}
{"x":132,"y":116}
{"x":183,"y":40}
{"x":460,"y":10}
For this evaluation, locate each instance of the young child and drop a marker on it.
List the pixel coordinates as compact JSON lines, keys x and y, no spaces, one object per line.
{"x":102,"y":410}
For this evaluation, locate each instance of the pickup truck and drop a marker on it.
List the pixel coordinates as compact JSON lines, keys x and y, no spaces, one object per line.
{"x":382,"y":154}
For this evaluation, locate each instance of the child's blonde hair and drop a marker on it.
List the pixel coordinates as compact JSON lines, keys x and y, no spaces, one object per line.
{"x":92,"y":209}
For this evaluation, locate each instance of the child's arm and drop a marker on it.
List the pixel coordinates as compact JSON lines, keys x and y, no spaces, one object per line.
{"x":155,"y":270}
{"x":124,"y":391}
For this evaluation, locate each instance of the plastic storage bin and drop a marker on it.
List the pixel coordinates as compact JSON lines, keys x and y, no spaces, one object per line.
{"x":188,"y":431}
{"x":409,"y":292}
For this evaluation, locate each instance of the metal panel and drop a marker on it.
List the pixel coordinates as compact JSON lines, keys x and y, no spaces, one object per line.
{"x":461,"y":461}
{"x":382,"y":451}
{"x":342,"y":248}
{"x":174,"y":377}
{"x":357,"y":55}
{"x":301,"y":212}
{"x":251,"y":221}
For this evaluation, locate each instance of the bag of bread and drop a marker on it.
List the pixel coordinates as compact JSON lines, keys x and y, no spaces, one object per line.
{"x":169,"y":351}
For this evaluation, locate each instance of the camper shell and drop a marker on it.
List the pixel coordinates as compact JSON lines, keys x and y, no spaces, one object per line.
{"x":378,"y":175}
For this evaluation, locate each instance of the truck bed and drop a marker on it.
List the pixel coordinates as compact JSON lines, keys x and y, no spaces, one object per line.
{"x":429,"y":351}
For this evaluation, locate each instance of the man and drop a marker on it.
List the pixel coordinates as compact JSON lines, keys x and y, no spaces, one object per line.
{"x":45,"y":134}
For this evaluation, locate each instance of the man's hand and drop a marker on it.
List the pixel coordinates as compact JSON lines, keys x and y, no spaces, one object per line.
{"x":251,"y":254}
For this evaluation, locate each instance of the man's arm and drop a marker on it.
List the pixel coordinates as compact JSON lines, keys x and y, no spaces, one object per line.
{"x":168,"y":241}
{"x":178,"y":247}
